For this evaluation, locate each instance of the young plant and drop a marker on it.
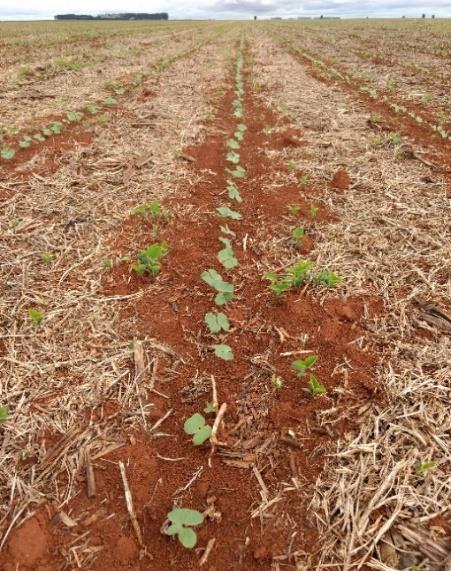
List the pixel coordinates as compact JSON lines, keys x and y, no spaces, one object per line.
{"x":233,"y":192}
{"x":36,"y":316}
{"x":233,"y":144}
{"x":7,"y":153}
{"x":226,"y":230}
{"x":277,"y":382}
{"x":278,"y":285}
{"x":74,"y":116}
{"x":304,"y":179}
{"x":25,"y":142}
{"x":196,"y":427}
{"x":225,"y":290}
{"x":238,"y":172}
{"x":224,"y":352}
{"x":110,"y":101}
{"x":47,"y":257}
{"x":227,"y":212}
{"x":233,"y":157}
{"x":298,"y":272}
{"x":3,"y":413}
{"x":301,"y":366}
{"x":313,"y":210}
{"x":315,"y":387}
{"x":217,"y":321}
{"x":327,"y":278}
{"x":182,"y":520}
{"x":151,"y":209}
{"x":148,"y":259}
{"x":424,"y":467}
{"x":296,"y":235}
{"x":226,"y":256}
{"x":294,"y":208}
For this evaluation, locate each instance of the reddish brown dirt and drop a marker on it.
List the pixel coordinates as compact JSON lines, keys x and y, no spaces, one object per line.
{"x":275,"y":431}
{"x":341,"y":180}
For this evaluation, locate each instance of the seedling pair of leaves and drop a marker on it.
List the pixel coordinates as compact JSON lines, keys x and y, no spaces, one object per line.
{"x":74,"y":116}
{"x":233,"y":157}
{"x":225,"y":290}
{"x":224,"y":352}
{"x":294,"y":276}
{"x":7,"y":153}
{"x":233,"y":144}
{"x":315,"y":387}
{"x":302,"y":365}
{"x":217,"y":322}
{"x":197,"y":427}
{"x":226,"y":230}
{"x":182,"y":520}
{"x":227,"y":212}
{"x":148,"y":260}
{"x":297,"y":234}
{"x":36,"y":316}
{"x":3,"y":413}
{"x":152,"y":209}
{"x":238,"y":172}
{"x":225,"y":256}
{"x":233,"y":192}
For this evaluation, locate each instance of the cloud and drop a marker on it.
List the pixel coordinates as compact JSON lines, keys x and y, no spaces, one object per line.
{"x":227,"y":8}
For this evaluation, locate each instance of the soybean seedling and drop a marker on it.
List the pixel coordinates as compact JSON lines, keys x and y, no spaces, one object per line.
{"x":278,"y":285}
{"x":182,"y":520}
{"x":197,"y":427}
{"x":424,"y":467}
{"x":294,"y":208}
{"x":74,"y":116}
{"x":315,"y":387}
{"x":298,"y":272}
{"x":233,"y":144}
{"x":223,"y":352}
{"x":47,"y":257}
{"x":3,"y":413}
{"x":226,"y":256}
{"x":327,"y":278}
{"x":227,"y":212}
{"x":238,"y":172}
{"x":313,"y":210}
{"x":296,"y":236}
{"x":301,"y":366}
{"x":151,"y":209}
{"x":36,"y":316}
{"x":148,"y":260}
{"x":233,"y":157}
{"x":7,"y":153}
{"x":217,"y":321}
{"x":277,"y":382}
{"x":233,"y":192}
{"x":225,"y":290}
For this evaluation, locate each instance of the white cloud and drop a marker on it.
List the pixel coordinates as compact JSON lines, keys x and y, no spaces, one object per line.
{"x":226,"y":8}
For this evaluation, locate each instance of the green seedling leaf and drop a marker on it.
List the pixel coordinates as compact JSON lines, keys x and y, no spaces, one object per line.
{"x":315,"y":387}
{"x":233,"y":157}
{"x":327,"y":278}
{"x":150,"y":208}
{"x":297,"y":273}
{"x":298,"y":233}
{"x":47,"y":132}
{"x":313,"y":211}
{"x":227,"y":212}
{"x":3,"y":413}
{"x":182,"y":520}
{"x":302,"y":365}
{"x":7,"y":153}
{"x":223,"y":352}
{"x":209,"y":408}
{"x":294,"y":209}
{"x":74,"y":116}
{"x":47,"y":257}
{"x":196,"y":426}
{"x":107,"y":263}
{"x":110,"y":101}
{"x":238,"y":136}
{"x":424,"y":467}
{"x":278,"y":286}
{"x":225,"y":290}
{"x":36,"y":316}
{"x":148,"y":260}
{"x":56,"y":127}
{"x":226,"y":256}
{"x":233,"y":144}
{"x":92,"y":108}
{"x":217,"y":321}
{"x":238,"y":172}
{"x":241,"y":127}
{"x":277,"y":382}
{"x":39,"y":137}
{"x":25,"y":142}
{"x":233,"y":192}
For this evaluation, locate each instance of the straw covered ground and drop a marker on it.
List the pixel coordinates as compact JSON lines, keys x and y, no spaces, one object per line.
{"x":322,"y":366}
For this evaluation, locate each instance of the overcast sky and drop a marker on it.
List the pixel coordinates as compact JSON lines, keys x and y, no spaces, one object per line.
{"x":233,"y":9}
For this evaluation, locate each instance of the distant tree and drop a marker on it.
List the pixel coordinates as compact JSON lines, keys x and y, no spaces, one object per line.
{"x":255,"y":17}
{"x":423,"y":16}
{"x":433,"y":16}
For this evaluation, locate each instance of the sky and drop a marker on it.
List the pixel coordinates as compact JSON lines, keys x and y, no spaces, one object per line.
{"x":226,"y":9}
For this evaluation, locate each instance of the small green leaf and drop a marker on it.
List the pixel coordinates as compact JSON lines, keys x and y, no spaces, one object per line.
{"x":227,"y":212}
{"x":233,"y":192}
{"x":238,"y":172}
{"x":185,"y":516}
{"x":223,"y":352}
{"x":424,"y":467}
{"x":202,"y":435}
{"x":315,"y":387}
{"x":226,"y":230}
{"x":4,"y":411}
{"x":187,"y":537}
{"x":301,"y":365}
{"x":216,"y":322}
{"x":74,"y":116}
{"x":194,"y":423}
{"x":7,"y":153}
{"x":233,"y":144}
{"x":233,"y":157}
{"x":36,"y":316}
{"x":110,"y":101}
{"x":47,"y":257}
